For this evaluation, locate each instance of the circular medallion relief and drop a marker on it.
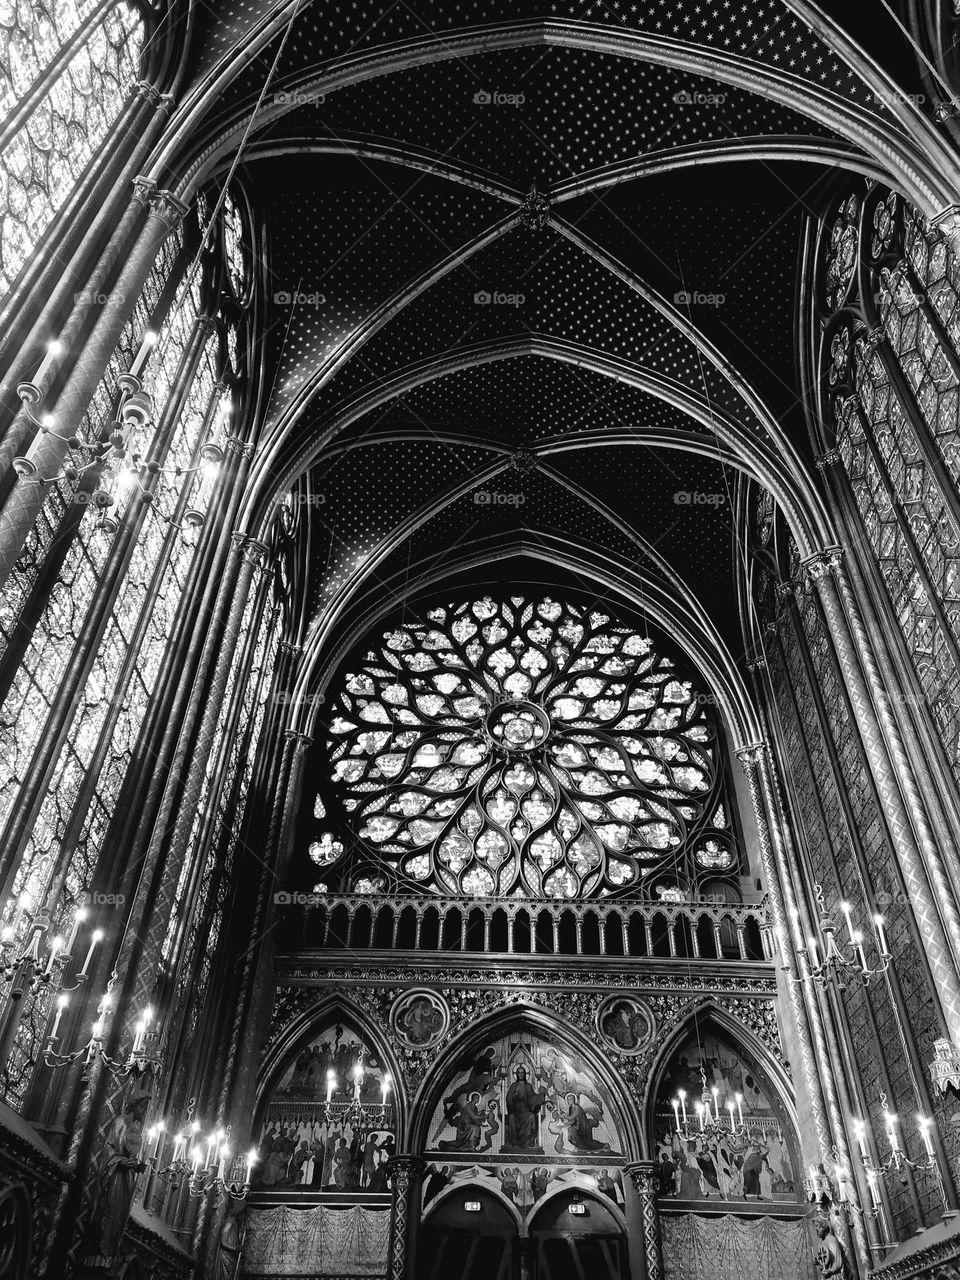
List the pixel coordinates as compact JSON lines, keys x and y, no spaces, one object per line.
{"x":625,"y":1024}
{"x":419,"y":1018}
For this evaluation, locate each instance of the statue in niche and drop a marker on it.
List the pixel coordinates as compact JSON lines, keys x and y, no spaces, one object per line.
{"x":831,"y":1256}
{"x":118,"y":1168}
{"x":523,"y":1113}
{"x":229,"y":1246}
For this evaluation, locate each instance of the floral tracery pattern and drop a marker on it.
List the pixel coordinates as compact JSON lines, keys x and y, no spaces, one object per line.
{"x":529,"y":747}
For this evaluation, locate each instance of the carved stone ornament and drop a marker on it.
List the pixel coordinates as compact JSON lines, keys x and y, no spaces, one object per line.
{"x":625,"y":1024}
{"x":420,"y":1018}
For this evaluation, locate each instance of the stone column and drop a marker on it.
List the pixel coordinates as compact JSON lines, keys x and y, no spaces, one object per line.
{"x":406,"y":1176}
{"x":907,"y":827}
{"x":643,"y":1221}
{"x":49,"y":449}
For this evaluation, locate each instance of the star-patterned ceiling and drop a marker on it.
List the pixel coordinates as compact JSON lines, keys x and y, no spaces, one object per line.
{"x":472,"y":394}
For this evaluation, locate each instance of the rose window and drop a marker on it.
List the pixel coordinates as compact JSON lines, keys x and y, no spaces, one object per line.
{"x":527,"y":748}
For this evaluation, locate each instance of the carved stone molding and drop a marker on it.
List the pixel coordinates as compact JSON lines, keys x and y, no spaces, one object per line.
{"x":822,"y":563}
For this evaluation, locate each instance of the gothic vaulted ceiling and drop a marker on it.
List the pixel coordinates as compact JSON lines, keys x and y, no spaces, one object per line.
{"x":533,"y":277}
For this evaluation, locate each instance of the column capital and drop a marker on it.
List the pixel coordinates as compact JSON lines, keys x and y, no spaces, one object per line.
{"x":756,"y":664}
{"x":822,"y":563}
{"x":287,"y":646}
{"x":233,"y":444}
{"x":405,"y":1162}
{"x":148,"y":92}
{"x":947,"y":221}
{"x":143,"y":189}
{"x":751,"y":754}
{"x":300,"y":740}
{"x":643,"y":1175}
{"x":251,"y":549}
{"x":167,"y":208}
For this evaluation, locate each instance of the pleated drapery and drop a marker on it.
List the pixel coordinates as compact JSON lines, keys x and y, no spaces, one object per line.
{"x":728,"y":1248}
{"x":316,"y":1242}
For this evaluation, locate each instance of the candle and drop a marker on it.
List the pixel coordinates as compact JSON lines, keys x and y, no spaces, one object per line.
{"x":54,"y":350}
{"x":716,"y":1102}
{"x":814,"y":957}
{"x":385,"y":1090}
{"x":212,"y":1143}
{"x":676,"y":1114}
{"x":196,"y":1155}
{"x":251,"y":1161}
{"x":179,"y":1148}
{"x":78,"y":919}
{"x":56,"y":946}
{"x":358,"y":1080}
{"x":892,"y":1138}
{"x":700,"y":1115}
{"x":156,"y":1149}
{"x":331,"y":1085}
{"x":61,"y":1005}
{"x":730,"y":1109}
{"x":682,"y":1095}
{"x":860,"y":1133}
{"x":874,"y":1189}
{"x":146,"y":346}
{"x":739,"y":1098}
{"x":881,"y":936}
{"x":845,"y":908}
{"x":861,"y":954}
{"x":925,"y":1135}
{"x":224,"y":1152}
{"x":95,"y":937}
{"x":841,"y":1176}
{"x":706,"y":1111}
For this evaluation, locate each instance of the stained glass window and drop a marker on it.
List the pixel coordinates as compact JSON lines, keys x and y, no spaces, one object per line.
{"x":526,"y":747}
{"x":43,"y":159}
{"x":896,"y":405}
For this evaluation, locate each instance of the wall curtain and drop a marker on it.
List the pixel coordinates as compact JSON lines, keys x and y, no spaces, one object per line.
{"x":316,"y":1242}
{"x":729,"y":1248}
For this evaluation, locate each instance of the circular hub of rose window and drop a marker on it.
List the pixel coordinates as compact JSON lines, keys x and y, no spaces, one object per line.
{"x":517,"y":726}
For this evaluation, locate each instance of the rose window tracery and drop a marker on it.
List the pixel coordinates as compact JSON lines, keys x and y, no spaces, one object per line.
{"x":527,"y":748}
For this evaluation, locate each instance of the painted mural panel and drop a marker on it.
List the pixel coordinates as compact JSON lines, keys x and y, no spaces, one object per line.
{"x":721,"y":1131}
{"x":521,"y":1096}
{"x":328,"y":1126}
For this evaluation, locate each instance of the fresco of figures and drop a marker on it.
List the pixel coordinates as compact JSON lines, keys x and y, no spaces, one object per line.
{"x":522,"y":1096}
{"x":524,"y":1185}
{"x":746,"y":1154}
{"x":328,"y":1125}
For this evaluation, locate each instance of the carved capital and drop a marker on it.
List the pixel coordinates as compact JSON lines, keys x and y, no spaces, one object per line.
{"x":251,"y":549}
{"x":643,"y":1175}
{"x":233,"y":444}
{"x":751,"y":755}
{"x":148,"y":92}
{"x":822,"y":563}
{"x":300,"y":740}
{"x":167,"y":208}
{"x":294,"y":650}
{"x":947,"y":221}
{"x":757,"y":664}
{"x":828,"y":459}
{"x":143,"y":189}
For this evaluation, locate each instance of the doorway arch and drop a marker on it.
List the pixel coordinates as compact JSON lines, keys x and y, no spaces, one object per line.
{"x":472,"y":1232}
{"x":574,"y":1235}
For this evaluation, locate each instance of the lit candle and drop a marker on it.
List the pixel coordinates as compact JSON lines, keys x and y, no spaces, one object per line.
{"x":95,"y":937}
{"x":358,"y":1080}
{"x":212,"y":1143}
{"x":179,"y":1147}
{"x":331,"y":1085}
{"x":54,"y":351}
{"x":682,"y":1095}
{"x":676,"y":1114}
{"x":860,"y":1133}
{"x":739,"y":1098}
{"x":716,"y":1102}
{"x":61,"y":1005}
{"x":706,"y":1111}
{"x":874,"y":1188}
{"x":842,"y":1189}
{"x":251,"y":1161}
{"x":700,"y":1115}
{"x":156,"y":1149}
{"x":814,"y":957}
{"x":146,"y":346}
{"x":892,"y":1138}
{"x":730,"y":1109}
{"x":845,"y":908}
{"x":881,"y":936}
{"x":385,"y":1090}
{"x":861,"y":954}
{"x":224,"y":1152}
{"x":925,"y":1135}
{"x":78,"y":919}
{"x":196,"y":1155}
{"x":56,"y":946}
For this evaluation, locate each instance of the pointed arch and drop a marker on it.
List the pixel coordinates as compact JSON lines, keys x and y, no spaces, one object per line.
{"x":533,"y":1017}
{"x":747,"y":1044}
{"x":297,"y":1034}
